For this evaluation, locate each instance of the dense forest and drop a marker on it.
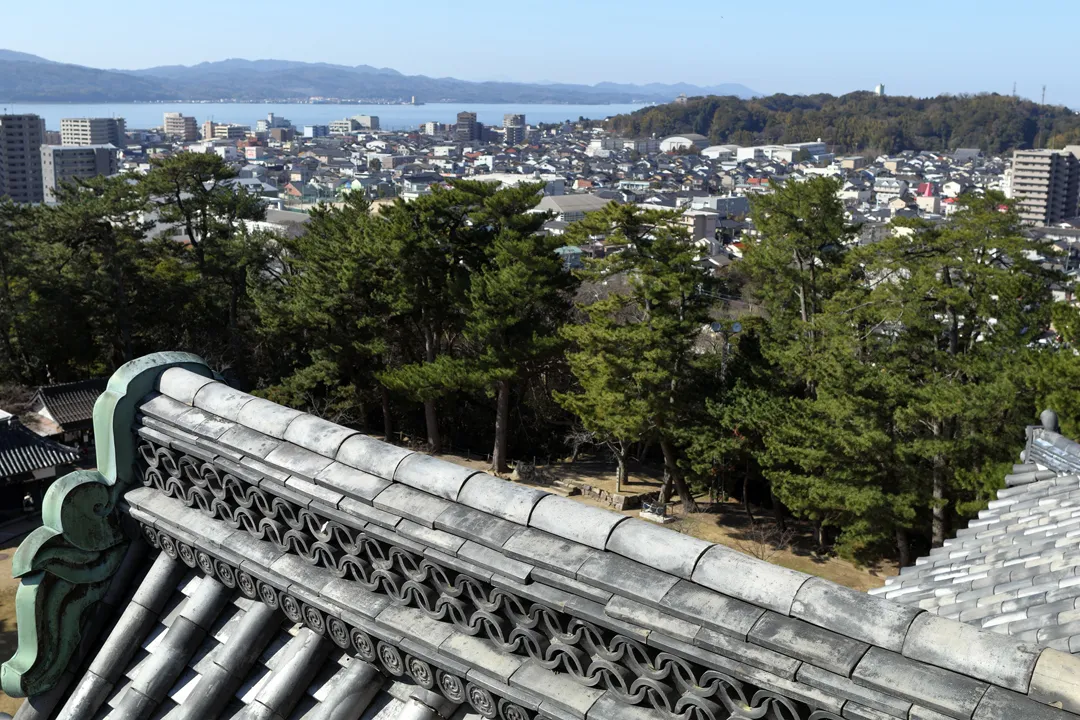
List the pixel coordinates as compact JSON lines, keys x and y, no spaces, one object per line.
{"x":880,"y":396}
{"x":864,"y":122}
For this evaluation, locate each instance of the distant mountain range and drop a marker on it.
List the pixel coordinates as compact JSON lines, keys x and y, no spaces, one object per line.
{"x":29,"y":78}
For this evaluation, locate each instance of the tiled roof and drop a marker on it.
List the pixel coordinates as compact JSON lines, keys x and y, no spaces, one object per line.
{"x":199,"y":649}
{"x":508,"y":600}
{"x":22,"y":451}
{"x":72,"y":404}
{"x":1015,"y":570}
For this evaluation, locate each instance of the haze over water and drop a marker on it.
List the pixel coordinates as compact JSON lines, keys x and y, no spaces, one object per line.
{"x":391,"y":117}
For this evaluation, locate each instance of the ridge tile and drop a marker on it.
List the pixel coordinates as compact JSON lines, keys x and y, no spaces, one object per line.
{"x":181,"y":385}
{"x":318,"y":435}
{"x":659,"y":548}
{"x":548,"y":551}
{"x":500,"y":498}
{"x":418,"y":506}
{"x":267,"y":417}
{"x":967,"y":649}
{"x":574,"y":521}
{"x":221,"y":400}
{"x":626,"y":577}
{"x":477,"y":526}
{"x":998,"y":704}
{"x":854,"y":614}
{"x":732,"y":573}
{"x":630,"y":611}
{"x":351,"y":482}
{"x":432,"y":475}
{"x":372,"y":456}
{"x":296,"y":460}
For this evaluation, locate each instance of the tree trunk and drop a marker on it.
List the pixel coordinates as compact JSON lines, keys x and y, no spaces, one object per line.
{"x":666,"y":489}
{"x":671,"y":461}
{"x":938,"y":478}
{"x":387,"y":417}
{"x":746,"y":492}
{"x":431,"y":416}
{"x":502,"y":427}
{"x":819,"y":535}
{"x":432,"y":419}
{"x":621,"y":476}
{"x":778,"y":510}
{"x":236,"y":346}
{"x":938,"y":530}
{"x":903,"y":546}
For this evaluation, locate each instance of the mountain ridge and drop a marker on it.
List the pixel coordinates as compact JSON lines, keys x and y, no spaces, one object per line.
{"x":30,"y":78}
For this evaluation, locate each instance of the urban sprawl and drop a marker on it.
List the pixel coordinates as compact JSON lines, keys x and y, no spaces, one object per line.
{"x":582,"y":169}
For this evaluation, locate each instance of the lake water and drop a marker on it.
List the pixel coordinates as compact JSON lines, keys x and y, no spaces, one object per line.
{"x":391,"y":117}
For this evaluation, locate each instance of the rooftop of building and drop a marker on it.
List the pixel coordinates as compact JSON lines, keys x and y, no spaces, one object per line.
{"x":275,"y":565}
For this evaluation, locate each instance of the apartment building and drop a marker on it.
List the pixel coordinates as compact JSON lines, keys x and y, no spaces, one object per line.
{"x":181,"y":127}
{"x":228,"y":131}
{"x":515,"y":128}
{"x":467,"y":129}
{"x":93,"y":131}
{"x":21,"y":137}
{"x":63,"y":163}
{"x":1046,"y":184}
{"x":367,"y":122}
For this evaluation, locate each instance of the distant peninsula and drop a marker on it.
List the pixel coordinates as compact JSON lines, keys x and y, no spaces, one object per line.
{"x":30,"y":78}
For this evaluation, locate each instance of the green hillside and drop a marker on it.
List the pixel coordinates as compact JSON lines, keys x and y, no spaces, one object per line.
{"x":862,"y":121}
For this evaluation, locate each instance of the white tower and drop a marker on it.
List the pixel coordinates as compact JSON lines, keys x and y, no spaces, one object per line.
{"x":880,"y":90}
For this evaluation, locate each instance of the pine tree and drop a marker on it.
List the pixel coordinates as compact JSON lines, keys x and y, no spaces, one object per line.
{"x":794,"y":269}
{"x":422,"y":254}
{"x":969,"y":303}
{"x":322,"y":315}
{"x":517,"y":300}
{"x":191,"y":191}
{"x":632,"y":357}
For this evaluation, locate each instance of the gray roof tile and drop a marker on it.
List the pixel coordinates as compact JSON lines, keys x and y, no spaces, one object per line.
{"x":809,"y":643}
{"x":777,"y":629}
{"x":181,"y":385}
{"x":942,"y":690}
{"x":574,"y":521}
{"x":317,"y":435}
{"x":849,"y":613}
{"x":221,"y":400}
{"x":432,"y":475}
{"x":741,"y":576}
{"x":718,"y":612}
{"x":267,"y":417}
{"x":368,"y":454}
{"x":488,"y":494}
{"x":413,"y":504}
{"x":657,"y":547}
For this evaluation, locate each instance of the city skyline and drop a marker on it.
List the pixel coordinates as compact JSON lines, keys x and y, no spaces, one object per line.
{"x":836,"y":48}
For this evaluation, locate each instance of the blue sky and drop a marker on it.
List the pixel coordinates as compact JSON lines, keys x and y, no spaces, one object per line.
{"x":917,"y":47}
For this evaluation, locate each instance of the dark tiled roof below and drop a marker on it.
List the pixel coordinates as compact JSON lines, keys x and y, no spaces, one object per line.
{"x":22,"y":451}
{"x":72,"y":404}
{"x":187,"y":647}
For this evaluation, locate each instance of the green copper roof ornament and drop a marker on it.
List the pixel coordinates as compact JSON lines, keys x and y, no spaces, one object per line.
{"x":67,"y":563}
